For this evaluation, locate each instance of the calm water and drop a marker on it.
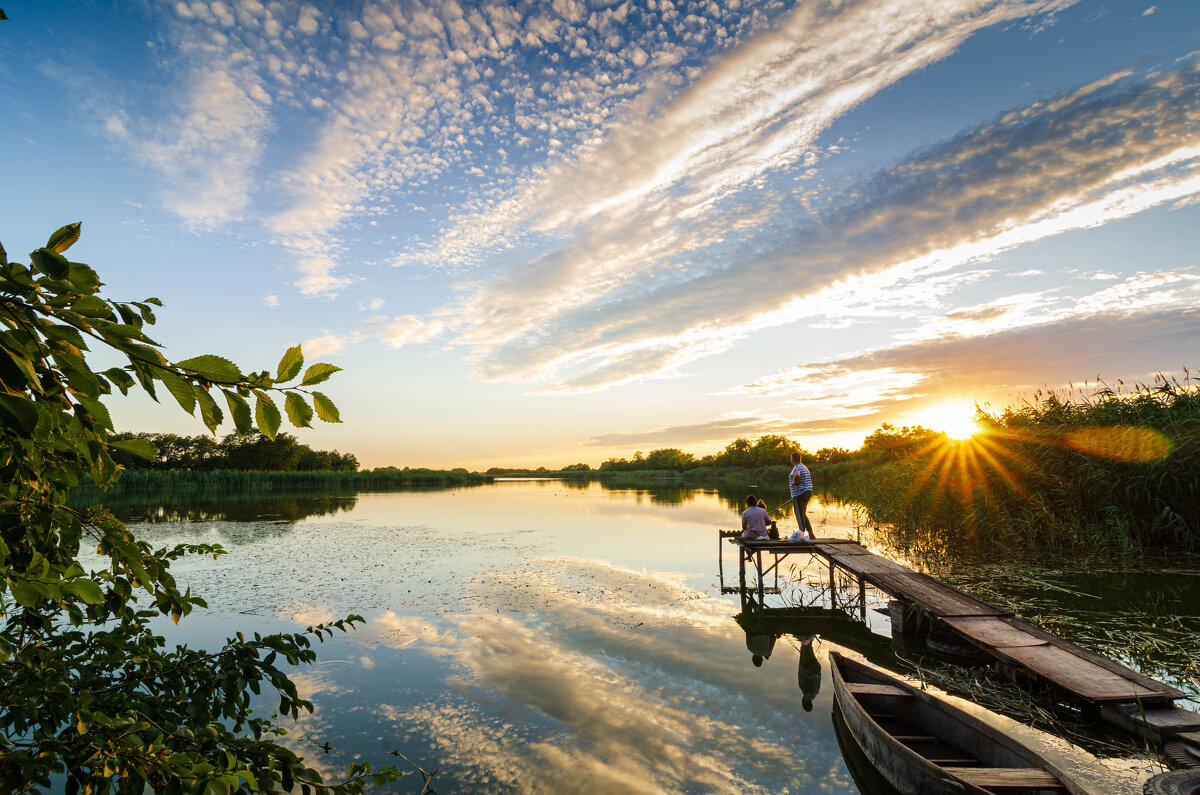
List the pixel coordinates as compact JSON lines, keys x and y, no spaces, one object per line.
{"x":536,"y":636}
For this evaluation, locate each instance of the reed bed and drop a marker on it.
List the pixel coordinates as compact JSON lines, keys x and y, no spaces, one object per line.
{"x":237,"y":480}
{"x":1113,"y":470}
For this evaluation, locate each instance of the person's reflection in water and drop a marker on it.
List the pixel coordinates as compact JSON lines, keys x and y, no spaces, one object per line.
{"x":808,"y":673}
{"x":760,"y":647}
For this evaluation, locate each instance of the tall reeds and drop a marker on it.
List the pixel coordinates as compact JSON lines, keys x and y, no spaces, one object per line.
{"x":1118,"y":468}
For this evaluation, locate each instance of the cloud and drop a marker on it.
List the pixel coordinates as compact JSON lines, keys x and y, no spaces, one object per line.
{"x":208,"y":150}
{"x":1111,"y":345}
{"x":327,"y":343}
{"x":614,"y":306}
{"x":856,"y":393}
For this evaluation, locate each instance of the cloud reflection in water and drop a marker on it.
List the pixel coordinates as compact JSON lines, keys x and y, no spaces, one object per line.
{"x":581,"y":676}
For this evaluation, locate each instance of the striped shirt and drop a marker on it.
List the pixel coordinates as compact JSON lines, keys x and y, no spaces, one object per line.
{"x":805,"y":480}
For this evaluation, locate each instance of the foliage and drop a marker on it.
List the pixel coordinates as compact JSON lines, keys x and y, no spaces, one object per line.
{"x":581,"y":467}
{"x":91,"y":692}
{"x":766,"y":451}
{"x":252,"y":452}
{"x":239,"y":480}
{"x":1116,"y":469}
{"x":888,"y":442}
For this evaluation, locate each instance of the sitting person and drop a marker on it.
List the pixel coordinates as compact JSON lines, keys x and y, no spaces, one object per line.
{"x":772,"y":525}
{"x":754,"y":521}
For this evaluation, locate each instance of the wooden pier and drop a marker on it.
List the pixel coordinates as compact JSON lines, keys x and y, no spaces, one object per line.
{"x":1018,"y":649}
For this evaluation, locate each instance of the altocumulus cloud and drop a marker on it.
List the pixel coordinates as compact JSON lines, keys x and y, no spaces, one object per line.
{"x":1105,"y":151}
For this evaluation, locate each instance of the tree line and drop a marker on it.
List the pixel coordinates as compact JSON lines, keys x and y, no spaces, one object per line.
{"x":768,"y":450}
{"x":248,"y":452}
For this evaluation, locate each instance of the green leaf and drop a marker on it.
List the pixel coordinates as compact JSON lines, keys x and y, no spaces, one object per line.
{"x":298,"y":410}
{"x":18,"y":412}
{"x":24,"y":592}
{"x":64,"y":238}
{"x":267,"y":415}
{"x":100,"y":416}
{"x":325,"y":408}
{"x":91,"y":306}
{"x":139,"y":447}
{"x":122,"y":379}
{"x":290,"y":364}
{"x":181,"y":389}
{"x":83,"y":277}
{"x":239,"y":410}
{"x":66,"y":333}
{"x":210,"y":412}
{"x":87,"y":590}
{"x":51,"y":263}
{"x":212,"y":368}
{"x":318,"y":373}
{"x":26,"y":369}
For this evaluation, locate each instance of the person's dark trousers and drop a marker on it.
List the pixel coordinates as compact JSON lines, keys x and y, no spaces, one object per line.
{"x":800,"y":504}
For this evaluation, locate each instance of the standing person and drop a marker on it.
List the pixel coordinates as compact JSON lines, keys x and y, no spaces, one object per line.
{"x":754,"y":521}
{"x":801,"y":482}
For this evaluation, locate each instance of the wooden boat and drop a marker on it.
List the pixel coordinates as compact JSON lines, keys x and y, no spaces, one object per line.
{"x":922,"y":744}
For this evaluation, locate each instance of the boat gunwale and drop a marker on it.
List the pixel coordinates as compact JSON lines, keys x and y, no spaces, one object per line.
{"x":850,"y":704}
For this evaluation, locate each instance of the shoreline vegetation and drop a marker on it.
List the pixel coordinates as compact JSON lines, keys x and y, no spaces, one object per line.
{"x":1114,"y":470}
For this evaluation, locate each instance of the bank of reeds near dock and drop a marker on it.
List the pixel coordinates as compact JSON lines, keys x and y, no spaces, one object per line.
{"x":236,"y":480}
{"x":1116,"y":470}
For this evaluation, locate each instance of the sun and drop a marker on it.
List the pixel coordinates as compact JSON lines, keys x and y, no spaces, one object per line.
{"x":954,"y":418}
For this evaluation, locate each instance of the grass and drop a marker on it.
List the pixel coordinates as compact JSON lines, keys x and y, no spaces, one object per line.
{"x":1116,"y":470}
{"x":235,"y":480}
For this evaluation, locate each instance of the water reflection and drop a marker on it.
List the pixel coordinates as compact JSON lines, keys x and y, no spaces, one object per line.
{"x":216,"y":505}
{"x":549,"y":635}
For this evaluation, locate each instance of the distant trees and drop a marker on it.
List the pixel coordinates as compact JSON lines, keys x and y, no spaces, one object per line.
{"x":769,"y":450}
{"x":251,"y":452}
{"x":577,"y":468}
{"x":832,"y":455}
{"x":888,"y":441}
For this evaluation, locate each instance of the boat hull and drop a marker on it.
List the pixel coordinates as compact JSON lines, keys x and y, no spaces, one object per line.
{"x":973,"y":743}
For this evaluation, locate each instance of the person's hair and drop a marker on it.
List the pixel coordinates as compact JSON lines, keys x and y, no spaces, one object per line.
{"x":757,"y":660}
{"x":751,"y":500}
{"x":762,"y":504}
{"x":796,"y":457}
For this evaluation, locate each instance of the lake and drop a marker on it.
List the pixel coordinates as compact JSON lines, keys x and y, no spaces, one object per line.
{"x":542,"y":636}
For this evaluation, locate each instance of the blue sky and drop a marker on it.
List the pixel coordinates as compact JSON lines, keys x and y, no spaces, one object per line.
{"x":541,"y":233}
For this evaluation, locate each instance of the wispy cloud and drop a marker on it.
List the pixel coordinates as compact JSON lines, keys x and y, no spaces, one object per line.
{"x":1108,"y":345}
{"x":600,"y":312}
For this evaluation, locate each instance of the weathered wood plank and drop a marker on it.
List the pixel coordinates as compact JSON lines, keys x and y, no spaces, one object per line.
{"x":872,"y":689}
{"x":1096,"y":659}
{"x":1074,"y":673}
{"x":933,"y":596}
{"x":1002,"y":778}
{"x":992,"y":632}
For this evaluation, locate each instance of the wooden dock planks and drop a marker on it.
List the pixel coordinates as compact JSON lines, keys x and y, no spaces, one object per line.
{"x":1075,"y":674}
{"x":1076,"y":670}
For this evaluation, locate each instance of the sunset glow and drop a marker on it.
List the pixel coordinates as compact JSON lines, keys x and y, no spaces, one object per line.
{"x":956,"y":419}
{"x":543,"y":233}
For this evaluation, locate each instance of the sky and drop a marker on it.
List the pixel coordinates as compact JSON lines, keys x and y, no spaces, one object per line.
{"x":542,"y":233}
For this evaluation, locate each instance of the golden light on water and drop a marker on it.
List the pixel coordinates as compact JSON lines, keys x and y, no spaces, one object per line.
{"x":1121,"y":443}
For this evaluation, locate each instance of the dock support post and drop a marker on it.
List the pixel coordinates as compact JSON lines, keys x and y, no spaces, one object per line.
{"x":742,"y":554}
{"x":832,"y":584}
{"x":862,"y":598}
{"x":762,"y":600}
{"x":721,"y":558}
